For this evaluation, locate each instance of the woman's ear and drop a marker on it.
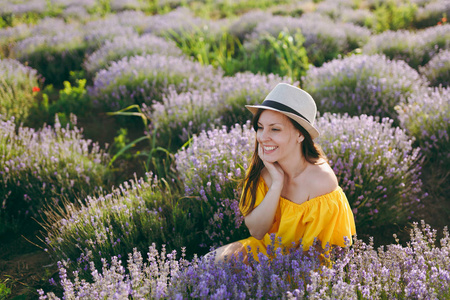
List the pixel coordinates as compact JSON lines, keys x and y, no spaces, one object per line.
{"x":300,"y":138}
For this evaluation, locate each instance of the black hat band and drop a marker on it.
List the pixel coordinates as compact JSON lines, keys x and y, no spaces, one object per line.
{"x":282,"y":107}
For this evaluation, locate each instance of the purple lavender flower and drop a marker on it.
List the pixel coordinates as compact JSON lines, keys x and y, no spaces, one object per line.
{"x":416,"y":270}
{"x":98,"y":31}
{"x":142,"y":79}
{"x":246,"y":23}
{"x":362,"y":84}
{"x":437,"y":70}
{"x":376,"y":166}
{"x":35,"y":160}
{"x":215,"y":156}
{"x":18,"y":8}
{"x":426,"y":116}
{"x":126,"y":46}
{"x":179,"y":21}
{"x":10,"y":35}
{"x":416,"y":48}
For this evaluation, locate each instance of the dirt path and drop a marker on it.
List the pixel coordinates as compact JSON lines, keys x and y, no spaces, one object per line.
{"x":24,"y":267}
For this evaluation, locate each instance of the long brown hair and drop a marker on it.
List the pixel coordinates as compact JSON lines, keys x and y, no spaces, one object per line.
{"x":311,"y":151}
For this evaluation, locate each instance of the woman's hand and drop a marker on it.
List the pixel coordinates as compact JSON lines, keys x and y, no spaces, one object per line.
{"x":275,"y":171}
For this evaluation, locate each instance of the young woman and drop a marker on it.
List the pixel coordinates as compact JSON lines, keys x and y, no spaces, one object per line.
{"x":289,"y":189}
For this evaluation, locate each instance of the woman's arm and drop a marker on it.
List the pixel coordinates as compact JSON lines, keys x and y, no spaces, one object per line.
{"x":260,"y":220}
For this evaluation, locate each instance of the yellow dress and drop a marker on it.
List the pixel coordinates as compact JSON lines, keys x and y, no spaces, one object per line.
{"x":327,"y":218}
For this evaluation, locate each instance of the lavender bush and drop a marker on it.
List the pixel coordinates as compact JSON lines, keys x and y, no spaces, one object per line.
{"x":376,"y":166}
{"x":53,"y":56}
{"x":246,"y":23}
{"x":17,"y":83}
{"x":432,"y":13}
{"x":426,"y":117}
{"x":76,"y":13}
{"x":181,"y":115}
{"x":135,"y":19}
{"x":416,"y":48}
{"x":136,"y":214}
{"x":362,"y":84}
{"x":18,"y":8}
{"x":178,"y":21}
{"x":210,"y":169}
{"x":419,"y":270}
{"x":97,"y":32}
{"x":42,"y":168}
{"x":333,"y":9}
{"x":437,"y":70}
{"x":360,"y":17}
{"x":10,"y":35}
{"x":125,"y":46}
{"x":142,"y":79}
{"x":324,"y":40}
{"x":357,"y":36}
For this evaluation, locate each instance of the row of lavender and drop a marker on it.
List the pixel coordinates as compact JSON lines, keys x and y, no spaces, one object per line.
{"x":421,"y":13}
{"x":55,"y":48}
{"x":416,"y":271}
{"x":376,"y":162}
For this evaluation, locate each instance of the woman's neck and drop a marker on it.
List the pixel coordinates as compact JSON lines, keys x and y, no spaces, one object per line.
{"x":293,"y":167}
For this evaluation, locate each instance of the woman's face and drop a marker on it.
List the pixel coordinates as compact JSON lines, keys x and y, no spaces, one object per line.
{"x":277,"y":136}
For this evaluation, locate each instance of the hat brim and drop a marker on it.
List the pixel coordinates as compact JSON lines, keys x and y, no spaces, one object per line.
{"x":313,"y":132}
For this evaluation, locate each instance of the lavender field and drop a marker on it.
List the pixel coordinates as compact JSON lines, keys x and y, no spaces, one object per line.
{"x":124,"y":136}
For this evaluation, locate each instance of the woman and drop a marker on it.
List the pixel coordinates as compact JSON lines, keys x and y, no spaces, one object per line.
{"x":289,"y":189}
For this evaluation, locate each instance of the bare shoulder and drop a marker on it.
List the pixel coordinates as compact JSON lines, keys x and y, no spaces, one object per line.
{"x":321,"y":180}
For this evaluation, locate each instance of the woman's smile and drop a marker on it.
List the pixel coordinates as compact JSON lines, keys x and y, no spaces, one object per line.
{"x":269,"y":149}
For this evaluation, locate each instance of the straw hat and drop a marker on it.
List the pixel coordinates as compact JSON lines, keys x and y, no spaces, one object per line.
{"x":292,"y":102}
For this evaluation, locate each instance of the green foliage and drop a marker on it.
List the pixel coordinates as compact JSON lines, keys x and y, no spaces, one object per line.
{"x":290,"y":55}
{"x":69,"y":100}
{"x":4,"y":291}
{"x":156,"y":158}
{"x":209,"y":49}
{"x":11,"y":20}
{"x":391,"y":15}
{"x":101,"y":8}
{"x":284,"y":55}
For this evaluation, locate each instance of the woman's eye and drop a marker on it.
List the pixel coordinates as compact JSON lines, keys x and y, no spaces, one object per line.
{"x":259,"y":128}
{"x":275,"y":129}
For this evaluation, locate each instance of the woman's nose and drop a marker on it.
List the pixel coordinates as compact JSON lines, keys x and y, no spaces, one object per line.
{"x":263,"y":136}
